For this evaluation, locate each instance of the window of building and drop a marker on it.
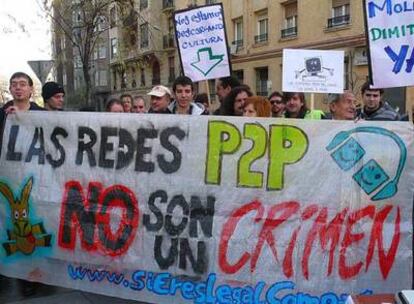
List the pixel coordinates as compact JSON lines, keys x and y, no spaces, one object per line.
{"x":133,"y":77}
{"x":239,"y":74}
{"x":144,"y":35}
{"x":114,"y":79}
{"x":142,"y":77}
{"x":77,"y":62}
{"x":171,"y":69}
{"x":340,"y":13}
{"x":99,"y":51}
{"x":112,"y":17}
{"x":114,"y":47}
{"x":143,"y":4}
{"x":238,"y":32}
{"x":101,"y":78}
{"x":100,"y":24}
{"x":290,"y":22}
{"x":262,"y":76}
{"x":346,"y":73}
{"x":76,"y":16}
{"x":262,"y":28}
{"x":212,"y":89}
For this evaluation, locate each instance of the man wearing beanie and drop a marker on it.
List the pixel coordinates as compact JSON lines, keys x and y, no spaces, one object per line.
{"x":53,"y":95}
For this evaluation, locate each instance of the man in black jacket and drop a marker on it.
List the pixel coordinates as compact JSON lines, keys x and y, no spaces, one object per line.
{"x":373,"y":107}
{"x":21,"y":88}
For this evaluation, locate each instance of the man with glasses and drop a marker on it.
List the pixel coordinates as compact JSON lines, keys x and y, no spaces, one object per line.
{"x":278,"y":105}
{"x":21,"y":88}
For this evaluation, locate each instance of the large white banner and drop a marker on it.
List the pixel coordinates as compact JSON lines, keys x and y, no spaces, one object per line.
{"x":313,"y":71}
{"x":178,"y":209}
{"x":390,"y":30}
{"x":202,"y":42}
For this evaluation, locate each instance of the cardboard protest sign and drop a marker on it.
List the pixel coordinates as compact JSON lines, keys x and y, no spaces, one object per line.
{"x":202,"y":42}
{"x":313,"y":71}
{"x":390,"y":33}
{"x":182,"y":209}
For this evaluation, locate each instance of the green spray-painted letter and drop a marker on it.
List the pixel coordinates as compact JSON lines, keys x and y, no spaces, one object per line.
{"x":288,"y":144}
{"x":258,"y":135}
{"x":223,"y":138}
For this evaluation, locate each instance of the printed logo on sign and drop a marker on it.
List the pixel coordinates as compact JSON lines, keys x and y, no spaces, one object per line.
{"x":347,"y":153}
{"x":314,"y":70}
{"x":24,"y":236}
{"x":206,"y":60}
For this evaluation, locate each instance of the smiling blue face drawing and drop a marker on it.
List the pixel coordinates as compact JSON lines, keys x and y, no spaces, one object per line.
{"x":370,"y":176}
{"x":347,"y":153}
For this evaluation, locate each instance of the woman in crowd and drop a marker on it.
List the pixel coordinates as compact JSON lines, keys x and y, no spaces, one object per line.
{"x":233,"y":103}
{"x":257,"y":106}
{"x":296,"y":107}
{"x":114,"y":105}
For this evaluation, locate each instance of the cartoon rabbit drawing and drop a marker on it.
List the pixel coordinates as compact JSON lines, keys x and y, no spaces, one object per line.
{"x":24,"y":236}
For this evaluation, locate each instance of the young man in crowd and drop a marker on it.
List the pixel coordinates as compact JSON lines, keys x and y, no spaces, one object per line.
{"x":138,"y":105}
{"x":278,"y":105}
{"x":183,"y":89}
{"x":21,"y":89}
{"x":160,"y":100}
{"x":373,"y":107}
{"x":342,"y":106}
{"x":126,"y":100}
{"x":223,"y":87}
{"x":53,"y":96}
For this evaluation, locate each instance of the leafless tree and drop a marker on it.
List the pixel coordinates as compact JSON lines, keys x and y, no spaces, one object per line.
{"x":82,"y":22}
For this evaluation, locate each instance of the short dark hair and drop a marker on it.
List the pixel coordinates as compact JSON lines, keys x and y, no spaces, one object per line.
{"x":229,"y":81}
{"x":126,"y":95}
{"x":112,"y":102}
{"x":22,"y":75}
{"x":367,"y":87}
{"x":201,"y":98}
{"x":182,"y":80}
{"x":227,"y":107}
{"x":303,"y":110}
{"x":275,"y":93}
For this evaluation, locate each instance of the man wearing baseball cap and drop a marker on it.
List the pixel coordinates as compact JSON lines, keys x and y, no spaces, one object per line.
{"x":53,"y":95}
{"x":160,"y":99}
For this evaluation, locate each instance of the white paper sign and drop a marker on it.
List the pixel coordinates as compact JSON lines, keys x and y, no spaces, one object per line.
{"x":313,"y":71}
{"x":202,"y":43}
{"x":390,"y":30}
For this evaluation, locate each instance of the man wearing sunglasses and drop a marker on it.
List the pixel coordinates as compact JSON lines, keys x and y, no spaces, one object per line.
{"x":278,"y":105}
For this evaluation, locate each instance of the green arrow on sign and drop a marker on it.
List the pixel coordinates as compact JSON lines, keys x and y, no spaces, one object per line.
{"x":206,"y":60}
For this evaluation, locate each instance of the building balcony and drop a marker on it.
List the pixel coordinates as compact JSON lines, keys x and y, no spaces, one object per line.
{"x":238,"y":43}
{"x":289,"y":32}
{"x":168,"y":41}
{"x":167,"y":4}
{"x":260,"y":38}
{"x":339,"y":21}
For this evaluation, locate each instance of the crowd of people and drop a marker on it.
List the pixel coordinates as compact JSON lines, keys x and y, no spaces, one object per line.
{"x":236,"y":99}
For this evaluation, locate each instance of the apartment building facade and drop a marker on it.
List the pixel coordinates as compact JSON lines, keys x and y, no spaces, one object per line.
{"x":259,"y":31}
{"x":68,"y":68}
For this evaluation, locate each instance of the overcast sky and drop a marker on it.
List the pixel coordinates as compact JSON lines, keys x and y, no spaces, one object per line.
{"x":24,"y":35}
